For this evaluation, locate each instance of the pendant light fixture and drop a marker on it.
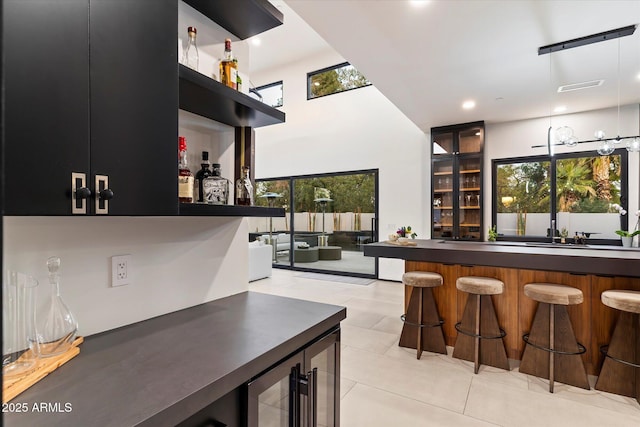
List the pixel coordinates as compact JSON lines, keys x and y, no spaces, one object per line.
{"x":564,"y":135}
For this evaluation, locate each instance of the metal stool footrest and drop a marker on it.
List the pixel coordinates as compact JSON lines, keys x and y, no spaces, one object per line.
{"x":604,"y":350}
{"x":420,"y":325}
{"x":484,"y":337}
{"x":581,"y":348}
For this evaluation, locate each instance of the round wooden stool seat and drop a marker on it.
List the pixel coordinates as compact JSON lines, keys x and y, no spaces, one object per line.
{"x":622,"y":300}
{"x":422,"y":279}
{"x":480,"y":285}
{"x":553,"y":294}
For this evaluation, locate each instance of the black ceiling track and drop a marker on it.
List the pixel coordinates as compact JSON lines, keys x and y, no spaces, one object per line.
{"x":582,"y":41}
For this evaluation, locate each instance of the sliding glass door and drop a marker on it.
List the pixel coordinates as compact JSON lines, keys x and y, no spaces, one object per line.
{"x":329,"y":218}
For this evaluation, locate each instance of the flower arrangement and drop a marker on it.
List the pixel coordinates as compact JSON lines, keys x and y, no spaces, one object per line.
{"x":622,"y":212}
{"x":406,"y":232}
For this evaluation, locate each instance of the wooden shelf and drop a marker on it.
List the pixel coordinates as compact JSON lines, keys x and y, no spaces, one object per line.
{"x":470,"y":189}
{"x":443,"y":191}
{"x":206,"y":97}
{"x":469,"y":225}
{"x":442,"y":173}
{"x":469,"y":207}
{"x":443,"y":207}
{"x":470,"y":171}
{"x":199,"y":209}
{"x":242,"y":18}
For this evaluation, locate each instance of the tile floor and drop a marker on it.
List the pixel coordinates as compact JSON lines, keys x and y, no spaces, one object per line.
{"x":384,"y":385}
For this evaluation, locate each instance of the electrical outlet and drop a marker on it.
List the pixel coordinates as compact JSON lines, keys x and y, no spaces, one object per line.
{"x":120,"y":270}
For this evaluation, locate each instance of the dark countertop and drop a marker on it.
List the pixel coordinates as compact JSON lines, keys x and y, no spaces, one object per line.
{"x":600,"y":260}
{"x":162,"y":370}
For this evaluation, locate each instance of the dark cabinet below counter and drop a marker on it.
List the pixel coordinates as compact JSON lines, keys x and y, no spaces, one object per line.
{"x":181,"y":366}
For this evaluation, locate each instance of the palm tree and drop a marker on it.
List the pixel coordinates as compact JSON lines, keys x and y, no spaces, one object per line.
{"x":574,"y":181}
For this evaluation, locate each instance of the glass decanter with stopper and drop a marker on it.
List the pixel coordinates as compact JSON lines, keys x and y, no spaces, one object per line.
{"x":57,"y":327}
{"x":190,"y":56}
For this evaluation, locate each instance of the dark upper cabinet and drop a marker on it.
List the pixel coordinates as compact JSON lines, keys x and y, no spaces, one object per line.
{"x":134,"y":98}
{"x":92,"y":90}
{"x":46,"y":103}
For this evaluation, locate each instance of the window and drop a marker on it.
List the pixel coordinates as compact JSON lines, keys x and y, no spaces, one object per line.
{"x":575,"y":189}
{"x":271,"y":94}
{"x":338,"y":78}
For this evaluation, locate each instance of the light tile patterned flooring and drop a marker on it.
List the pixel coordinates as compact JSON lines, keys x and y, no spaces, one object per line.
{"x":384,"y":385}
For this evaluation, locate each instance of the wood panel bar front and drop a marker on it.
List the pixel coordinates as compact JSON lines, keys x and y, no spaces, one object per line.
{"x":591,"y":271}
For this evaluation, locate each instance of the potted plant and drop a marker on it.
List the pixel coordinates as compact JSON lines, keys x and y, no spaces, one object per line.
{"x":492,"y":234}
{"x":564,"y":233}
{"x":625,"y":235}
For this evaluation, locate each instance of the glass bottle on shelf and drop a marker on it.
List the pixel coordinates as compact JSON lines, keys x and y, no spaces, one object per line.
{"x":216,"y":188}
{"x":190,"y":55}
{"x":201,"y":175}
{"x":228,"y":67}
{"x":244,"y":188}
{"x":57,"y":328}
{"x":185,"y":177}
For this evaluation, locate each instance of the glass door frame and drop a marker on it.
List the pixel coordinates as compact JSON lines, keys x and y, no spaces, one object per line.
{"x":290,"y":212}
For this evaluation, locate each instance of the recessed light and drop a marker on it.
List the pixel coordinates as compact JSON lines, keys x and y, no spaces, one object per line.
{"x":560,"y":109}
{"x":256,"y":41}
{"x":467,"y":105}
{"x":418,"y":3}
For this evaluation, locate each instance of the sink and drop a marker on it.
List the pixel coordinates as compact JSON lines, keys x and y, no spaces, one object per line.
{"x":557,"y":245}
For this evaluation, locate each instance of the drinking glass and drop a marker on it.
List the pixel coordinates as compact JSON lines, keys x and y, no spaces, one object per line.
{"x":20,"y":349}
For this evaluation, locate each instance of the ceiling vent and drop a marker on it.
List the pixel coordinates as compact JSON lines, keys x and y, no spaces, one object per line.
{"x":579,"y":86}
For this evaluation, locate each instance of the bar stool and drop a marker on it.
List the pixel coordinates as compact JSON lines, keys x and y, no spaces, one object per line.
{"x":620,"y":373}
{"x":479,"y":322}
{"x":422,"y":327}
{"x":552,"y":332}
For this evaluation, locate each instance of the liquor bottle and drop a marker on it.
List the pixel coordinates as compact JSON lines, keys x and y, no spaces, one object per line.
{"x":228,"y":67}
{"x":216,"y":188}
{"x":244,"y":188}
{"x":185,"y":177}
{"x":190,"y":56}
{"x":201,"y":175}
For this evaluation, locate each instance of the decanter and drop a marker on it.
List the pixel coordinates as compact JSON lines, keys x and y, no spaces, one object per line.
{"x":58,"y":327}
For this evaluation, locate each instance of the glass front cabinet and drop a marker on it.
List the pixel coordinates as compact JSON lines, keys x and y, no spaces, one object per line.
{"x":302,"y":391}
{"x":456,"y":181}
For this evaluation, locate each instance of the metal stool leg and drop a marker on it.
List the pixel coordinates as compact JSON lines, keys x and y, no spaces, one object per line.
{"x":551,"y":345}
{"x":419,"y":344}
{"x":476,"y":361}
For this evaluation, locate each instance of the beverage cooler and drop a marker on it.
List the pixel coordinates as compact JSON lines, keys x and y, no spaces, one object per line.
{"x":302,"y":391}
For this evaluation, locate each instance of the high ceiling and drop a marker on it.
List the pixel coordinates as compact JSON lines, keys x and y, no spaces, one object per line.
{"x":429,"y":59}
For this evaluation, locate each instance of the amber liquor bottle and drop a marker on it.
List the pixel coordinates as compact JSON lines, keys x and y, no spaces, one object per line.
{"x":185,"y":177}
{"x":228,"y":67}
{"x":205,"y":172}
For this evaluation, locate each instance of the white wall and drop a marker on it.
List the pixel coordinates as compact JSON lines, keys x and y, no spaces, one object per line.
{"x":354,"y":130}
{"x":177,"y":263}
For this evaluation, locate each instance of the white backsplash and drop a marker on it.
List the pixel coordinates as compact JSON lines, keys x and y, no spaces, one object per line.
{"x":177,"y":262}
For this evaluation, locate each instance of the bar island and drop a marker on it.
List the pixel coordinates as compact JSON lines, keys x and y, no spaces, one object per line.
{"x":592,"y":269}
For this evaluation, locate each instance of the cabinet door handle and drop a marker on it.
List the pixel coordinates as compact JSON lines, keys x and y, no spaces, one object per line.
{"x":312,"y":398}
{"x":295,"y":381}
{"x":79,"y":193}
{"x":104,"y":194}
{"x":83,"y":193}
